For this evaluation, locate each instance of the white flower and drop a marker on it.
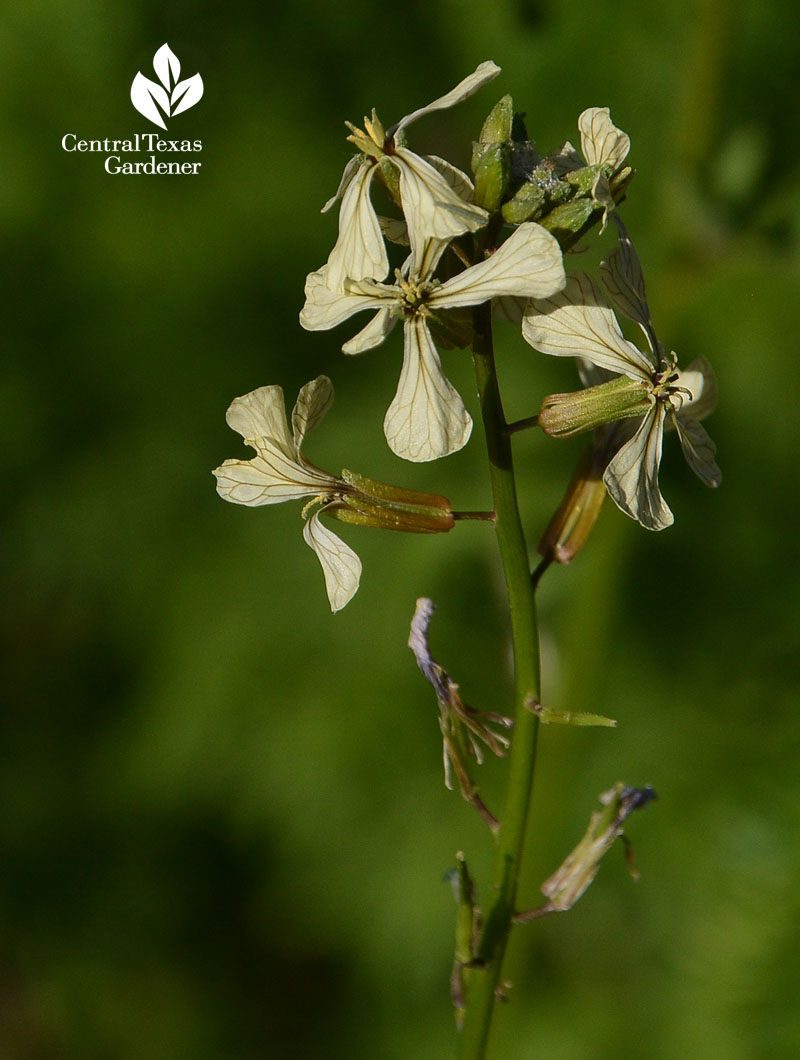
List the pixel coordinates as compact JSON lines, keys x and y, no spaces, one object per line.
{"x":435,"y":196}
{"x":280,"y":472}
{"x":427,"y":418}
{"x":579,"y":323}
{"x":603,"y":145}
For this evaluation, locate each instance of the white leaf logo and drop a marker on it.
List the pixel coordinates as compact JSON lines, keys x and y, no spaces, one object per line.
{"x":169,"y":98}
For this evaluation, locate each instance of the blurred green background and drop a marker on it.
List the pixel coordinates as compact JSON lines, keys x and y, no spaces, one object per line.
{"x":223,"y":826}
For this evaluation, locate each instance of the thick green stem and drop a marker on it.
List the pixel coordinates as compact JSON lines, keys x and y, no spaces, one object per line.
{"x":483,"y":978}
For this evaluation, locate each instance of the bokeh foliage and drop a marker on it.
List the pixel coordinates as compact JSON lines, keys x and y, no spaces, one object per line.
{"x":224,"y":829}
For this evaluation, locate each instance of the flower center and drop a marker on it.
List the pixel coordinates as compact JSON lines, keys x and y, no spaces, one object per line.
{"x":372,"y":142}
{"x":413,"y":295}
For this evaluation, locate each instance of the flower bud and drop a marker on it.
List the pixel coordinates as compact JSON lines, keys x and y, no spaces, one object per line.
{"x":491,"y":156}
{"x":497,"y":127}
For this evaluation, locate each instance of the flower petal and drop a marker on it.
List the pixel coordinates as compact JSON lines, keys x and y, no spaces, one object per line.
{"x":373,"y":334}
{"x":529,"y":265}
{"x":698,"y":449}
{"x":360,"y":252}
{"x":427,"y":419}
{"x":313,"y":402}
{"x":347,"y":175}
{"x":487,"y":71}
{"x":269,"y":478}
{"x":431,"y":207}
{"x":509,"y":309}
{"x":394,"y":229}
{"x":567,"y":160}
{"x":631,"y":477}
{"x":262,"y":414}
{"x":327,"y":305}
{"x":458,"y":181}
{"x":340,"y":565}
{"x":698,"y":378}
{"x":601,"y":141}
{"x":623,"y":279}
{"x":578,"y":323}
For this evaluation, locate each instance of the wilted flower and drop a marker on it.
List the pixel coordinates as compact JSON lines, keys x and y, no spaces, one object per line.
{"x":575,"y":874}
{"x":427,"y":418}
{"x":434,"y":195}
{"x":578,"y":322}
{"x":465,"y":731}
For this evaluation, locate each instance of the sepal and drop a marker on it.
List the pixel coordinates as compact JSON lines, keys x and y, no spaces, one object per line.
{"x":566,"y":415}
{"x":386,"y":507}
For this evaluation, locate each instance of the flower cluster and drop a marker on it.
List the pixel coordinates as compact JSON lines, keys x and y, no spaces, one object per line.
{"x":499,"y":240}
{"x":427,"y":418}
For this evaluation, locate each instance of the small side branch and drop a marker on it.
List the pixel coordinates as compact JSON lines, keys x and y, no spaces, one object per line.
{"x":522,"y":425}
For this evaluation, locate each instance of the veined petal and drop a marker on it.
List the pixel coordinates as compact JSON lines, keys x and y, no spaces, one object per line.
{"x":431,"y":207}
{"x":631,"y":477}
{"x":458,"y":181}
{"x":373,"y":334}
{"x":340,"y":565}
{"x":313,"y":402}
{"x":360,"y":252}
{"x":601,"y":141}
{"x":427,"y":419}
{"x":326,"y":306}
{"x":700,"y":380}
{"x":262,"y":414}
{"x":347,"y":175}
{"x":623,"y":278}
{"x":487,"y":71}
{"x":394,"y":229}
{"x":269,"y":478}
{"x":566,"y":160}
{"x":529,"y":265}
{"x":698,"y":449}
{"x":429,"y":252}
{"x":578,"y":323}
{"x":509,"y":309}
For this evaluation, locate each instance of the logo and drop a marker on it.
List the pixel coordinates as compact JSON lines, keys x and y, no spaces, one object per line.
{"x":156,"y":102}
{"x":172,"y":95}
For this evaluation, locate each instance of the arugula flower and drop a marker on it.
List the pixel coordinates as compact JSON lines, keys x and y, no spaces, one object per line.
{"x":427,"y":418}
{"x":578,"y":322}
{"x":604,"y":146}
{"x":434,"y":195}
{"x":279,"y":472}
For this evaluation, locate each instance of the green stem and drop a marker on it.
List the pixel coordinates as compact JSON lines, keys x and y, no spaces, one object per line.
{"x":482,"y":979}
